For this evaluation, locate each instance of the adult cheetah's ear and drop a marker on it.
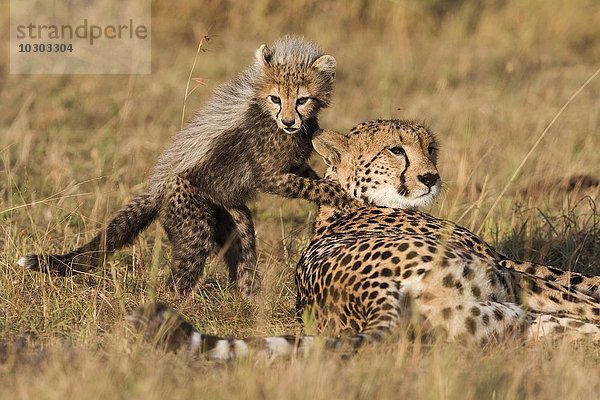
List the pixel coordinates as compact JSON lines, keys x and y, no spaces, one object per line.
{"x":330,"y":145}
{"x":264,"y":55}
{"x":325,"y":64}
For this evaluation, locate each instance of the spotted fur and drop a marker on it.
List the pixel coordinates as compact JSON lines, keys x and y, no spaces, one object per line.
{"x":377,"y":272}
{"x":254,"y":135}
{"x":167,"y":328}
{"x":374,"y":268}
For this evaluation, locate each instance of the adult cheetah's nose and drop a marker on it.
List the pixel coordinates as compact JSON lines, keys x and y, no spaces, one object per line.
{"x":429,"y":180}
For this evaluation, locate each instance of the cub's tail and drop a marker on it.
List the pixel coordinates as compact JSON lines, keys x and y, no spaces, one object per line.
{"x":123,"y":228}
{"x":164,"y":326}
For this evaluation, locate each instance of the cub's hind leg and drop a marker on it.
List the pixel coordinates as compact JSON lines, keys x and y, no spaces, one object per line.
{"x":189,"y":221}
{"x":235,"y":233}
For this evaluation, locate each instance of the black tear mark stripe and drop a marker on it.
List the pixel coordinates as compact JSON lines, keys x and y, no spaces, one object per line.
{"x":403,"y":189}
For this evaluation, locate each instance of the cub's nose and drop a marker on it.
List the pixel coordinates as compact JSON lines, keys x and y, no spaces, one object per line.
{"x":429,"y":180}
{"x":288,"y":122}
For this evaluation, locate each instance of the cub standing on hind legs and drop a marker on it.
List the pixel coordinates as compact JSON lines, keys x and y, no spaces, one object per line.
{"x":254,"y":135}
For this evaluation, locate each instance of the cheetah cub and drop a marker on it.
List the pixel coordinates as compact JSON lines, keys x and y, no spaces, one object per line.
{"x":254,"y":135}
{"x":376,"y":272}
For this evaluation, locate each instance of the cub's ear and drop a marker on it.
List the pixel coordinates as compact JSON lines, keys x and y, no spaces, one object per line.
{"x":330,"y":145}
{"x":325,"y":64}
{"x":264,"y":55}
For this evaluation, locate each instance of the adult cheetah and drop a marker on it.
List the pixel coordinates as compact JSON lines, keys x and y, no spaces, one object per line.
{"x":376,"y":272}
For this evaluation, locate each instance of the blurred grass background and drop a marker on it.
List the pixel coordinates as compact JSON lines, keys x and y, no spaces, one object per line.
{"x":487,"y":76}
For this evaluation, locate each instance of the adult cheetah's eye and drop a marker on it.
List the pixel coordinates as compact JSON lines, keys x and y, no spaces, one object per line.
{"x":302,"y":100}
{"x":275,"y":99}
{"x":399,"y":151}
{"x":432,"y":149}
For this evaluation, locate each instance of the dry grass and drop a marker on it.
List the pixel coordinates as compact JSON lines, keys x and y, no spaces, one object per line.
{"x":487,"y":76}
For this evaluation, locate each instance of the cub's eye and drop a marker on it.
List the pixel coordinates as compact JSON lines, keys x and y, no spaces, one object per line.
{"x":432,"y":149}
{"x":302,"y":100}
{"x":275,"y":99}
{"x":399,"y":151}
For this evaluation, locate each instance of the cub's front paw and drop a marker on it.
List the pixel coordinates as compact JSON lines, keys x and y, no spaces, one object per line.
{"x":350,"y":204}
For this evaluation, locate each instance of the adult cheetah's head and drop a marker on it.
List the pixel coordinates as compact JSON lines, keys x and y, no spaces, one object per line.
{"x":389,"y":163}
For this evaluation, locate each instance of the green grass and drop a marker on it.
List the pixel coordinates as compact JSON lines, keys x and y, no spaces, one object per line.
{"x":486,"y":76}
